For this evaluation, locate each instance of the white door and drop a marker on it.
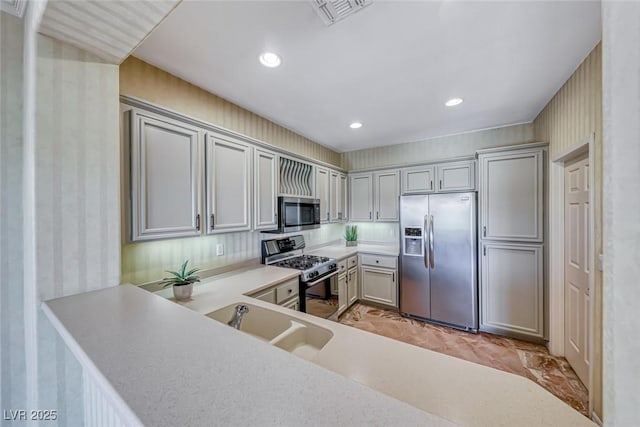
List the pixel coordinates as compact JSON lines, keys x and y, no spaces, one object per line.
{"x":387,"y":195}
{"x":322,"y":192}
{"x":379,"y":285}
{"x":228,"y":185}
{"x":577,"y":229}
{"x":266,"y":189}
{"x":457,"y":176}
{"x":418,"y":180}
{"x":165,"y":200}
{"x":360,"y":196}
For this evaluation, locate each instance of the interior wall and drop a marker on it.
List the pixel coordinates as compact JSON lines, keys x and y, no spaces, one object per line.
{"x":440,"y":148}
{"x":621,"y":155}
{"x":573,"y":115}
{"x":145,"y":81}
{"x":12,"y":350}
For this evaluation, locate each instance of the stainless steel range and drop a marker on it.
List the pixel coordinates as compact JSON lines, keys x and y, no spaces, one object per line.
{"x":318,"y":295}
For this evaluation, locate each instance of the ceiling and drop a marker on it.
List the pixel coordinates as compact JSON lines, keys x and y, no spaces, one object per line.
{"x":391,"y":65}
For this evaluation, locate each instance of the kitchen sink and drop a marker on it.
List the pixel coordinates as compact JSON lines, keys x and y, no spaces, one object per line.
{"x":303,"y":339}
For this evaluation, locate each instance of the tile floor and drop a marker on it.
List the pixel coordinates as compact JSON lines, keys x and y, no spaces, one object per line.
{"x":529,"y":360}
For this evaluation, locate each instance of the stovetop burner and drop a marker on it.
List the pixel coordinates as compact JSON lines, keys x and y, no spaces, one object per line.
{"x":302,"y":262}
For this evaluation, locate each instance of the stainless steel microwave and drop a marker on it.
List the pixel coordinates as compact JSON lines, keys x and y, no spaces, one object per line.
{"x":297,"y":214}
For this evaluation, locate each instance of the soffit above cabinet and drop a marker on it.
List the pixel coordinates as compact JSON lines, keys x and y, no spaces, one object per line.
{"x":110,"y":30}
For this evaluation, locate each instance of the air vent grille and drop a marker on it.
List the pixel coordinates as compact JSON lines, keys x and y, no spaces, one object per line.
{"x":332,"y":11}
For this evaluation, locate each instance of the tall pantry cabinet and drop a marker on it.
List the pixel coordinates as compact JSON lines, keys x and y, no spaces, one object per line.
{"x":511,"y":226}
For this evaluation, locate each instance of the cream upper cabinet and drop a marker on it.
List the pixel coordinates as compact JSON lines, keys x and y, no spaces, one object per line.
{"x":386,"y":185}
{"x":511,"y":195}
{"x":361,"y":197}
{"x":228,"y":178}
{"x":418,"y":179}
{"x":165,"y":157}
{"x":322,"y":192}
{"x":265,"y":172}
{"x":338,"y":197}
{"x":457,"y":176}
{"x":511,"y":295}
{"x":343,"y":212}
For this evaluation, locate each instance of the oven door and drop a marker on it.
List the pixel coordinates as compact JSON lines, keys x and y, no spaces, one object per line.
{"x":298,"y":214}
{"x":321,"y":296}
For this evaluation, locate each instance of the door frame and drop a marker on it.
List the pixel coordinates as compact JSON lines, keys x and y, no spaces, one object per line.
{"x":556,"y":249}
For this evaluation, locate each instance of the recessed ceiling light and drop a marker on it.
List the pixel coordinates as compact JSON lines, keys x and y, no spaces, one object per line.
{"x":270,"y":59}
{"x":355,"y":125}
{"x":453,"y":102}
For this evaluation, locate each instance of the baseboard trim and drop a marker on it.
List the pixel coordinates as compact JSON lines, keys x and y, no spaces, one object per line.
{"x":596,"y":419}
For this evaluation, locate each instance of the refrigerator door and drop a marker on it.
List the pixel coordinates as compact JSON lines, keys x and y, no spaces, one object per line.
{"x":452,"y":226}
{"x":414,"y":260}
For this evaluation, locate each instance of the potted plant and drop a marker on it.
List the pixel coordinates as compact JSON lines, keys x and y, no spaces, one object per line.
{"x":182,"y":281}
{"x":351,"y":235}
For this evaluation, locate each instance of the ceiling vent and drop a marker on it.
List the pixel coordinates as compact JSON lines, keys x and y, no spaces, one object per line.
{"x":332,"y":11}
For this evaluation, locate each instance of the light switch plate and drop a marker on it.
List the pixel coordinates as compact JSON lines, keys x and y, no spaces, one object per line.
{"x":219,"y":249}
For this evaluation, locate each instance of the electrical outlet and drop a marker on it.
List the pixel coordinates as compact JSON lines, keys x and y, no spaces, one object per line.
{"x":219,"y":249}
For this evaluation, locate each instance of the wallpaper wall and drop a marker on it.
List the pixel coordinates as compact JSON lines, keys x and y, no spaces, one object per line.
{"x":12,"y":350}
{"x":573,"y":114}
{"x":445,"y":147}
{"x":143,"y":80}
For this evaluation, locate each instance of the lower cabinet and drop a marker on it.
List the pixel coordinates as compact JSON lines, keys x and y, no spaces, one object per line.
{"x":379,"y":279}
{"x":352,"y":286}
{"x":511,"y":294}
{"x":342,"y":293}
{"x":284,"y":294}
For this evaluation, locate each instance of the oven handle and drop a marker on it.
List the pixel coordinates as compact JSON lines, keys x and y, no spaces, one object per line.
{"x":323,"y":278}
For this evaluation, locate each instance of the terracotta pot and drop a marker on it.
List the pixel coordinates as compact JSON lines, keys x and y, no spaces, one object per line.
{"x":183,"y":292}
{"x":352,"y":243}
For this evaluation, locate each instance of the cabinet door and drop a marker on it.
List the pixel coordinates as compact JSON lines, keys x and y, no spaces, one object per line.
{"x":379,"y":285}
{"x":334,"y":196}
{"x":343,"y":212}
{"x":360,"y":196}
{"x":164,"y":178}
{"x":511,"y":297}
{"x":342,"y":293}
{"x":418,"y":180}
{"x":322,"y":192}
{"x":293,"y":304}
{"x":457,"y":176}
{"x":228,"y":185}
{"x":352,"y":286}
{"x":265,"y":171}
{"x":387,"y":195}
{"x":511,"y":196}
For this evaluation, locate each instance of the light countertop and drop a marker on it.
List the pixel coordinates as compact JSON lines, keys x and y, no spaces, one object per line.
{"x":140,"y":342}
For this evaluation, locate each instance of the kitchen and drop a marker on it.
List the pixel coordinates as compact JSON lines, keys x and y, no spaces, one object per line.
{"x":137,"y":259}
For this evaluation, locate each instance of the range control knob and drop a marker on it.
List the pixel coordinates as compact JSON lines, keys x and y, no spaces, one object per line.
{"x":333,"y":266}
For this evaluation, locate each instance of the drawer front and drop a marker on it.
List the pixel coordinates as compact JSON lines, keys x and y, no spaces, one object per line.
{"x":286,"y":291}
{"x":342,"y":266}
{"x":268,"y":296}
{"x":379,"y":261}
{"x":352,"y":261}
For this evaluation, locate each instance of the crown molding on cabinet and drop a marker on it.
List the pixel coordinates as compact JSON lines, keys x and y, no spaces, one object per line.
{"x":408,"y":165}
{"x":522,"y":146}
{"x":14,"y":7}
{"x":158,"y":109}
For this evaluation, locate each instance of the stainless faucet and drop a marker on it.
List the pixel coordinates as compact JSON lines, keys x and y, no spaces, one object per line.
{"x":236,"y":320}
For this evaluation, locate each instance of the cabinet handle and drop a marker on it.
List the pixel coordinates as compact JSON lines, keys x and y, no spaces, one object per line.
{"x":440,"y":184}
{"x":484,"y":231}
{"x":377,"y":215}
{"x":213,"y":221}
{"x":484,"y":250}
{"x":431,"y":185}
{"x":327,"y":216}
{"x":369,"y":214}
{"x":198,"y":222}
{"x":393,"y":277}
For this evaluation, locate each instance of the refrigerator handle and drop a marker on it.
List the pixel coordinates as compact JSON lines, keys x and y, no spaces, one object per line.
{"x":424,"y":238}
{"x":432,"y":256}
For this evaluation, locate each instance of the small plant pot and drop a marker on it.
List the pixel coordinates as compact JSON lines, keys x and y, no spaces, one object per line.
{"x":352,"y":243}
{"x":183,"y":292}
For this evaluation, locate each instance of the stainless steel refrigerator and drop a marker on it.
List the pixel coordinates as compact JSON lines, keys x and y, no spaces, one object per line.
{"x":438,"y":259}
